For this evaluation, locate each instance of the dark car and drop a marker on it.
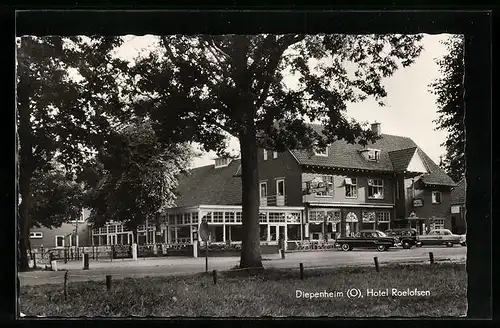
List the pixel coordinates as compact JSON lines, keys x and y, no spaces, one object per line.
{"x":407,"y":237}
{"x":367,"y":239}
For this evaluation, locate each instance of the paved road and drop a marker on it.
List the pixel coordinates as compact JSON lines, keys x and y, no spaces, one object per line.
{"x":179,"y":266}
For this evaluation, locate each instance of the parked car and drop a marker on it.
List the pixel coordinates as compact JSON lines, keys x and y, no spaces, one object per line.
{"x":440,"y":237}
{"x":463,"y":240}
{"x":367,"y":239}
{"x":407,"y":237}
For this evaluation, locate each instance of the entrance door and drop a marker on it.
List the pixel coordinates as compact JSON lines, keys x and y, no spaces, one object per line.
{"x":276,"y":231}
{"x":112,"y":239}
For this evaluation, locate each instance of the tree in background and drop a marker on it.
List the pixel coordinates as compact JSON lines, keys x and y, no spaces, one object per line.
{"x":260,"y":89}
{"x":449,"y":89}
{"x":67,"y":96}
{"x":134,"y":178}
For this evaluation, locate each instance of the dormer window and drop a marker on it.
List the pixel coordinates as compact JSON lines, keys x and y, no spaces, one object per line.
{"x":221,"y":162}
{"x":321,"y":151}
{"x":371,"y":154}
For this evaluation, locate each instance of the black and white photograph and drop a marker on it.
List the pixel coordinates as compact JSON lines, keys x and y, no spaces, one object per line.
{"x":241,"y":175}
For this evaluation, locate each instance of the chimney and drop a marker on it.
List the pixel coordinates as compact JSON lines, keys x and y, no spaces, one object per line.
{"x":376,"y":128}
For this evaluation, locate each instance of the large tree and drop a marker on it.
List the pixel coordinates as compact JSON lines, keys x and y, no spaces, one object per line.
{"x":200,"y":87}
{"x":449,"y":91}
{"x":67,"y":94}
{"x":134,"y":178}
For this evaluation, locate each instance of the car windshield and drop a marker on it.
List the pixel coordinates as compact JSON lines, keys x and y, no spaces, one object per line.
{"x":381,"y":234}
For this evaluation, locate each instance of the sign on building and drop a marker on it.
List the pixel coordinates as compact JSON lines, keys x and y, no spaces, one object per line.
{"x":418,"y":202}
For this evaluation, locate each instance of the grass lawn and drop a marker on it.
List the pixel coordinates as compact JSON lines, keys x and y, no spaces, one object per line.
{"x":271,"y":292}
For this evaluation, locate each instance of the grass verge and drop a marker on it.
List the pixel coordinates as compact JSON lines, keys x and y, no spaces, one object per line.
{"x":270,"y":292}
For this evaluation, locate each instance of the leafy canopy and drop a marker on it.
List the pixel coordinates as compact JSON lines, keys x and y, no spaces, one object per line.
{"x":449,"y":89}
{"x":195,"y":87}
{"x":134,"y":178}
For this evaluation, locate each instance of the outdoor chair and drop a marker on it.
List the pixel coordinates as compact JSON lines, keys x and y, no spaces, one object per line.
{"x":306,"y":244}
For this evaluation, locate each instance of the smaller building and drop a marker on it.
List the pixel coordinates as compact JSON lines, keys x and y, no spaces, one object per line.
{"x":458,"y":212}
{"x":72,"y":233}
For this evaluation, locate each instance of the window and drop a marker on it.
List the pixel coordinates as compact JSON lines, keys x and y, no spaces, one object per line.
{"x":238,"y":216}
{"x":59,"y":241}
{"x":276,"y":217}
{"x":187,"y":218}
{"x":437,"y":224}
{"x":262,"y":217}
{"x":325,"y":188}
{"x":373,"y":154}
{"x":263,"y":190}
{"x":195,"y":217}
{"x":275,"y":154}
{"x":218,"y":216}
{"x":264,"y":151}
{"x":119,"y":228}
{"x":220,"y":162}
{"x":436,"y":197}
{"x":383,"y":216}
{"x":321,"y":151}
{"x":112,"y":229}
{"x":103,"y":230}
{"x":230,"y":217}
{"x":280,"y":188}
{"x":376,"y":188}
{"x":36,"y":235}
{"x":351,"y":188}
{"x":207,"y":217}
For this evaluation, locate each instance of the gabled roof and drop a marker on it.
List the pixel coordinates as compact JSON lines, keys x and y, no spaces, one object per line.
{"x":458,"y":193}
{"x":344,"y":155}
{"x":210,"y":186}
{"x":401,"y":158}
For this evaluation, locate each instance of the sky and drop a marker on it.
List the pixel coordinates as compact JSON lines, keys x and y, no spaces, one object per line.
{"x":410,"y":107}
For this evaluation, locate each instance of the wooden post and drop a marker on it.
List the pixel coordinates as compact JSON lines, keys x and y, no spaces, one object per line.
{"x":301,"y":271}
{"x":375,"y":259}
{"x":65,"y":255}
{"x":93,"y":252}
{"x":33,"y":255}
{"x":111,"y":253}
{"x":108,"y":282}
{"x":206,"y":256}
{"x":66,"y":285}
{"x":431,"y":257}
{"x":214,"y":273}
{"x":85,"y":261}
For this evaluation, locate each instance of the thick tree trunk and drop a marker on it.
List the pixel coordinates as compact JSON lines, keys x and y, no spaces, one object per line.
{"x":250,"y":248}
{"x":24,"y":221}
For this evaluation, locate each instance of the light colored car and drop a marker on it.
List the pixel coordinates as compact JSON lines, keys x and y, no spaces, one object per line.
{"x":463,"y":240}
{"x":440,"y":237}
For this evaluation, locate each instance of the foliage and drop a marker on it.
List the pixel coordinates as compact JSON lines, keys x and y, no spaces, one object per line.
{"x":261,"y":89}
{"x":134,"y":178}
{"x":68,"y":97}
{"x":449,"y":89}
{"x":56,"y":199}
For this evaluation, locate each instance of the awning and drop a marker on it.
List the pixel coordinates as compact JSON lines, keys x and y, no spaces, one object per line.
{"x":348,"y":181}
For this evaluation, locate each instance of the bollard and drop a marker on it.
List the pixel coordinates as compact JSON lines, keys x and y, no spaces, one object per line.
{"x":65,"y":255}
{"x":195,"y":248}
{"x":66,"y":285}
{"x":85,"y":261}
{"x":375,"y":259}
{"x":282,"y":251}
{"x":108,"y":282}
{"x":134,"y":251}
{"x":431,"y":257}
{"x":111,"y":253}
{"x":93,"y":252}
{"x":214,"y":273}
{"x":301,"y":271}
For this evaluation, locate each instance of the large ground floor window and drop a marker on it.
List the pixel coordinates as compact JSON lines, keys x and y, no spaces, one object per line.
{"x":263,"y":232}
{"x":293,"y":232}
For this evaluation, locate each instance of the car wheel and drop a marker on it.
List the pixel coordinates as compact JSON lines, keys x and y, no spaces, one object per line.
{"x":345,"y":247}
{"x":449,"y":244}
{"x":418,"y":245}
{"x":463,"y":244}
{"x":406,"y":245}
{"x":382,"y":248}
